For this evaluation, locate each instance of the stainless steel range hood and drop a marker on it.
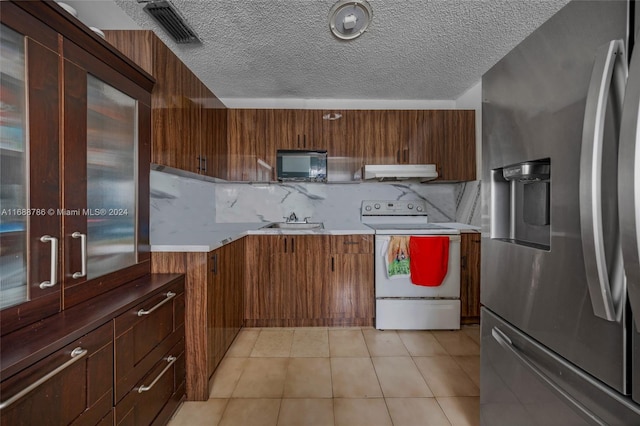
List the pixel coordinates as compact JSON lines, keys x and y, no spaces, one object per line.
{"x":395,"y":172}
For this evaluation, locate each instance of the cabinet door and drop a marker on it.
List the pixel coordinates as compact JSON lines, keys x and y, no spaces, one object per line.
{"x":470,"y":277}
{"x":246,"y":143}
{"x":380,"y":133}
{"x":458,"y":155}
{"x":105,"y":200}
{"x":423,"y":136}
{"x":174,"y":111}
{"x":262,"y":289}
{"x":30,"y":224}
{"x":350,"y":294}
{"x":213,"y":140}
{"x":79,"y":390}
{"x":233,"y":279}
{"x":215,"y":311}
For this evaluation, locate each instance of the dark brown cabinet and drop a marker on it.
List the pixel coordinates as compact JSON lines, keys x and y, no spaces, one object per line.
{"x":98,"y":361}
{"x":309,"y":280}
{"x":83,"y":161}
{"x":350,"y":297}
{"x":224,"y":300}
{"x":149,"y":358}
{"x":470,"y":278}
{"x":246,"y":146}
{"x":189,"y":121}
{"x":214,"y":302}
{"x":79,"y":389}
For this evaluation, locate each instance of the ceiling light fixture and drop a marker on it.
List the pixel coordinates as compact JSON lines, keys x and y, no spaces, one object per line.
{"x":348,"y":19}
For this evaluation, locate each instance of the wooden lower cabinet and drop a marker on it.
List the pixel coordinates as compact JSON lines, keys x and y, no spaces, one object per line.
{"x":301,"y":280}
{"x":470,"y":278}
{"x":80,"y":393}
{"x":214,"y":302}
{"x":86,"y":366}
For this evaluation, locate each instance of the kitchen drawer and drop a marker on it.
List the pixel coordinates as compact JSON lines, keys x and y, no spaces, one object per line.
{"x":352,"y":244}
{"x":143,"y":339}
{"x":161,"y":387}
{"x":81,"y":392}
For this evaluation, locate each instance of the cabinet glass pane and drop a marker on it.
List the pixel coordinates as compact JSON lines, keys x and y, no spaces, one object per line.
{"x":112,"y":136}
{"x":13,"y":170}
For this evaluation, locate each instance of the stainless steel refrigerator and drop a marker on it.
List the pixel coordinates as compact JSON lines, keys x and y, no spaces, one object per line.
{"x":561,"y":215}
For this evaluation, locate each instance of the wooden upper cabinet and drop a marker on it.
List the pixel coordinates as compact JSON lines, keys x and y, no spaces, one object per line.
{"x":185,"y":136}
{"x":458,"y":155}
{"x":379,"y":131}
{"x":291,"y":129}
{"x":246,"y":145}
{"x":82,"y":168}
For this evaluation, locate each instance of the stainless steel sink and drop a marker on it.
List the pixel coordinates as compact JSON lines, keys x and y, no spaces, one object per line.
{"x":296,"y":225}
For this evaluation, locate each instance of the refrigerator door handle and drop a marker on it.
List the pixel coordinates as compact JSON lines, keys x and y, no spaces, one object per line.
{"x":628,"y":187}
{"x":603,"y":266}
{"x":507,"y":344}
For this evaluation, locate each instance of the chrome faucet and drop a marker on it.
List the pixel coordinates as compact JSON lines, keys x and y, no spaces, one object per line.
{"x":292,"y":217}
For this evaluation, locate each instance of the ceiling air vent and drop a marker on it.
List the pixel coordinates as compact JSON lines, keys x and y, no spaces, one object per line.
{"x":172,"y":21}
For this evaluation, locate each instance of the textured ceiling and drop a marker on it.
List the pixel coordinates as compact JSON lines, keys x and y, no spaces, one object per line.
{"x":413,"y":49}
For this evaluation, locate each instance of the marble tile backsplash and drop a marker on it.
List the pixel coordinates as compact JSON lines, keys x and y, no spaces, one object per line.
{"x":181,"y":204}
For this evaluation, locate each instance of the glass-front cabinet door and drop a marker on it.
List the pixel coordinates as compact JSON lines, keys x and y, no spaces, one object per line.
{"x":103,"y":221}
{"x":30,"y":227}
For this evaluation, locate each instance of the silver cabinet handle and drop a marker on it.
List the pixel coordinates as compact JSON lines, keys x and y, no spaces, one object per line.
{"x":170,"y":295}
{"x":628,"y":188}
{"x":204,"y":160}
{"x":603,"y":265}
{"x":76,"y":355}
{"x":83,"y":254}
{"x":507,"y":344}
{"x":170,"y":360}
{"x":53,"y":275}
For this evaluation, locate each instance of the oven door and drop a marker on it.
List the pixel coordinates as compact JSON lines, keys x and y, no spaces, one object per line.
{"x":401,"y":286}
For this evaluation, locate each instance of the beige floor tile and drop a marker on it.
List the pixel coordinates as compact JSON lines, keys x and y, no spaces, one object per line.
{"x":347,"y":343}
{"x":416,"y":412}
{"x":399,"y":377}
{"x":199,"y":413}
{"x":384,"y":343}
{"x":457,"y":342}
{"x":306,"y":412}
{"x":308,"y":378}
{"x":354,"y":378}
{"x":262,"y":378}
{"x":254,"y":412}
{"x":461,"y":411}
{"x":226,"y":377}
{"x":273,"y":343}
{"x":445,"y":377}
{"x":361,"y":412}
{"x":471,"y":365}
{"x":310,"y":343}
{"x":421,"y":343}
{"x":472,"y":331}
{"x":243,"y":344}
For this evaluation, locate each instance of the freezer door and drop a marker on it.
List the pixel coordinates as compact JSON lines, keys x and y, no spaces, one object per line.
{"x":523,"y":383}
{"x":534,"y":104}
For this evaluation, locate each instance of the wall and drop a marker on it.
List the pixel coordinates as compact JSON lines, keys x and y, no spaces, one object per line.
{"x":182,"y":206}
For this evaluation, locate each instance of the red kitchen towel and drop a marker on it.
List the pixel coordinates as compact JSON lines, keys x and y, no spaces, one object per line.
{"x":429,"y":260}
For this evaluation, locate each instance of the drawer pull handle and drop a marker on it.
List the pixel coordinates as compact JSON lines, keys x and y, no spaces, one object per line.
{"x":170,"y":295}
{"x":76,"y":355}
{"x":171,"y":360}
{"x":53,"y":280}
{"x":351,"y":243}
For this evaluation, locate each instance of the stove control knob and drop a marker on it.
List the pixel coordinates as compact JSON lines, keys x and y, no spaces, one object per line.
{"x":419,"y":209}
{"x":409,"y":206}
{"x":368,"y":208}
{"x":377,"y":206}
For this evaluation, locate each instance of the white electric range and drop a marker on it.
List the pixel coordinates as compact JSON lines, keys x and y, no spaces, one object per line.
{"x":401,"y":304}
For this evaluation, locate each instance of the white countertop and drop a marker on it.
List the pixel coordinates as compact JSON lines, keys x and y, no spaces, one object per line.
{"x":229,"y":232}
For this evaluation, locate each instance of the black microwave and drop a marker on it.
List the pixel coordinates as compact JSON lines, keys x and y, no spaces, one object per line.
{"x":301,"y":165}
